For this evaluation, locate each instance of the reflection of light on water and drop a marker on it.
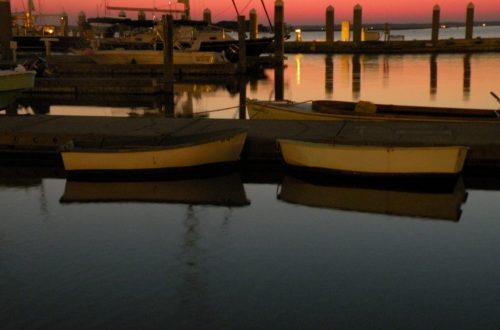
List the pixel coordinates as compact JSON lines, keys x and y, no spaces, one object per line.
{"x":96,"y":111}
{"x":298,"y":62}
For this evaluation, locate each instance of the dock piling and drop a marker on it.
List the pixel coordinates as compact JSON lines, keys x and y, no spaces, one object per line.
{"x":5,"y":29}
{"x":242,"y":53}
{"x":254,"y":24}
{"x":436,"y":12}
{"x":357,"y":23}
{"x":168,"y":53}
{"x":279,"y":54}
{"x":330,"y":23}
{"x":207,"y":16}
{"x":469,"y":21}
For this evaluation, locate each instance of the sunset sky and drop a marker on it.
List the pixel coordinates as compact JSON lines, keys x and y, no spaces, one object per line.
{"x":296,"y":11}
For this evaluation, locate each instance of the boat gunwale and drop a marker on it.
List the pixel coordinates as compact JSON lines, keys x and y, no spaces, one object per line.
{"x":324,"y":106}
{"x":305,"y":109}
{"x":166,"y":143}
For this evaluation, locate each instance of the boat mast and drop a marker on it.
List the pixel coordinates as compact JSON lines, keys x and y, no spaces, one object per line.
{"x":267,"y":15}
{"x":236,"y":8}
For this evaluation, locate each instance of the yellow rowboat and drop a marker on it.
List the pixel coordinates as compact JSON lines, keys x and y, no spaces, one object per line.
{"x":374,"y":160}
{"x":442,"y":203}
{"x":224,"y":190}
{"x":185,"y":152}
{"x":340,"y":110}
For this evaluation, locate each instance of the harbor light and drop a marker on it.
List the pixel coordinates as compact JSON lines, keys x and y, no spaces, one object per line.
{"x":49,"y":30}
{"x":298,"y":35}
{"x":346,"y":31}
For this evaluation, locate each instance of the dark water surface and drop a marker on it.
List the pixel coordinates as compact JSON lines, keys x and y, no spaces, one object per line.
{"x":76,"y":254}
{"x":228,"y":252}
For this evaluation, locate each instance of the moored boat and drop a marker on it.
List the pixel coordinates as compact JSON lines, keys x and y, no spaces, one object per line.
{"x":134,"y":56}
{"x":341,"y":110}
{"x":179,"y":153}
{"x":13,"y":83}
{"x":374,"y":160}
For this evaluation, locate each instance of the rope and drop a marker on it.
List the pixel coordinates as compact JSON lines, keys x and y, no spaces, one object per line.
{"x":221,"y":109}
{"x":214,"y":110}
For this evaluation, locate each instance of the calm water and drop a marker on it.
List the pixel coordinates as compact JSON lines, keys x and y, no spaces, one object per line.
{"x":280,"y":252}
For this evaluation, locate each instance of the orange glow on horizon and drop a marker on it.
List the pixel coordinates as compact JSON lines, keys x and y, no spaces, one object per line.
{"x":414,"y":11}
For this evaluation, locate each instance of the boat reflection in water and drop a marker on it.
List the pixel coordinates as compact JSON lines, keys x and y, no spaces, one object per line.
{"x":441,"y":202}
{"x":225,"y":190}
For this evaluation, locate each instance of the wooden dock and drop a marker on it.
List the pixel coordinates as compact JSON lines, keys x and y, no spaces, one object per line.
{"x":478,"y":45}
{"x":38,"y":137}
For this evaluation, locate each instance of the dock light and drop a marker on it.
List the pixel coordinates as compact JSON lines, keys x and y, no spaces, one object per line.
{"x":346,"y":31}
{"x":483,"y":25}
{"x":48,"y":29}
{"x":298,"y":35}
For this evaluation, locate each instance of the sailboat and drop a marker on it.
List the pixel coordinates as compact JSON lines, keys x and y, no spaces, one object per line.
{"x":189,"y":35}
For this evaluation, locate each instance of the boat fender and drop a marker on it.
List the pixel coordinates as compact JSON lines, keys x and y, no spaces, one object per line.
{"x":365,"y":106}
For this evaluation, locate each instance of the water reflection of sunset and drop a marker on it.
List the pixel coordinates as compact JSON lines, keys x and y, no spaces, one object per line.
{"x":453,"y":80}
{"x":446,"y":80}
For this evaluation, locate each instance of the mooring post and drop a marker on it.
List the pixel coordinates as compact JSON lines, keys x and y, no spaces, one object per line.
{"x":64,"y":25}
{"x":242,"y":52}
{"x":436,"y":12}
{"x":82,"y":20}
{"x":387,"y":31}
{"x":279,"y":53}
{"x":207,"y":16}
{"x":254,"y":24}
{"x":357,"y":23}
{"x":469,"y":21}
{"x":168,"y":53}
{"x":5,"y":29}
{"x":330,"y":22}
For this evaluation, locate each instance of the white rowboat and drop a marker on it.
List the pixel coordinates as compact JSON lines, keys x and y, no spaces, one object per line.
{"x":374,"y":160}
{"x":177,"y":153}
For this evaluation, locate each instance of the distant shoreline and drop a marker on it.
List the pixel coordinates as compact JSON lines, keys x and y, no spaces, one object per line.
{"x":395,"y":26}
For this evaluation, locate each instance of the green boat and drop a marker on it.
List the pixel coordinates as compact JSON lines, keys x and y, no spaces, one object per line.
{"x":13,"y":83}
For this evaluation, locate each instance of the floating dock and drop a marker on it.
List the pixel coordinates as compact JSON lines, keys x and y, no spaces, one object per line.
{"x":478,"y":45}
{"x":38,"y":137}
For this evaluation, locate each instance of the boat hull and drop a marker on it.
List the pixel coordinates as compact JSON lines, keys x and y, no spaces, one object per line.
{"x":374,"y":160}
{"x":152,"y":57}
{"x":286,"y":110}
{"x":11,"y":80}
{"x":254,"y":47}
{"x":225,"y":148}
{"x":13,"y":83}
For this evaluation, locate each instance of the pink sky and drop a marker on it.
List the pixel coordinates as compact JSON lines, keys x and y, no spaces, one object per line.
{"x":296,"y":11}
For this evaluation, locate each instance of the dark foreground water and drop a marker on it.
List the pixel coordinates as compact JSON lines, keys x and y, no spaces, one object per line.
{"x":258,"y":252}
{"x":285,"y":254}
